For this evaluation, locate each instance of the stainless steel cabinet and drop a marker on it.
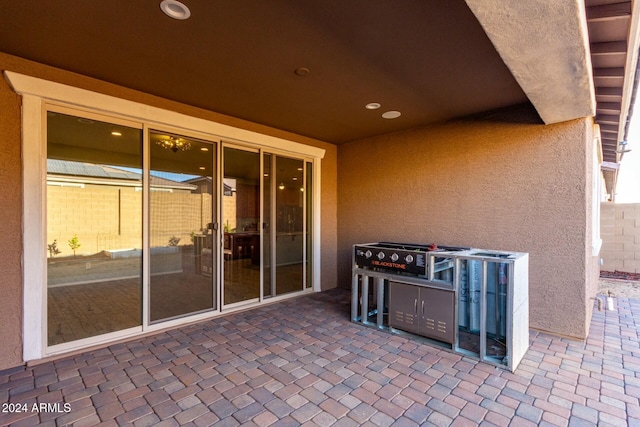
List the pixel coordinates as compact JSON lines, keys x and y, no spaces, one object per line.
{"x":422,"y":310}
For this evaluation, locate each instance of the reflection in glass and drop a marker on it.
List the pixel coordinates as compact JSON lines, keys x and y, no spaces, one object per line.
{"x":309,"y":226}
{"x":496,"y":301}
{"x":290,"y":199}
{"x":94,"y":227}
{"x":469,"y":300}
{"x":241,"y":219}
{"x":267,"y":206}
{"x":181,"y":218}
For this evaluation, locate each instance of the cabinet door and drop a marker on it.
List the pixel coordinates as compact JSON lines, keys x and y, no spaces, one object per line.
{"x":436,"y":319}
{"x":403,"y":306}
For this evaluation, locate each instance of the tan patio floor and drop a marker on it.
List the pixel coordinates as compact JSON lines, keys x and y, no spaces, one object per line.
{"x":302,"y":362}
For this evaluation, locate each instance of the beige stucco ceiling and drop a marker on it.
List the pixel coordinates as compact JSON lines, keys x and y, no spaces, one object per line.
{"x":430,"y":60}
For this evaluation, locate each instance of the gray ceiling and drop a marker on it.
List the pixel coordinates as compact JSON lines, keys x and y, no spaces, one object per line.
{"x":430,"y":60}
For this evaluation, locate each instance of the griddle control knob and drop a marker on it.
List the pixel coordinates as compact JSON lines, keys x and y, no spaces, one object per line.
{"x":409,"y":259}
{"x":368,"y":254}
{"x":380,"y":255}
{"x":394,"y":257}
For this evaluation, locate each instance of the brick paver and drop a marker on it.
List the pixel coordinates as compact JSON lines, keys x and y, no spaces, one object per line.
{"x":302,"y":361}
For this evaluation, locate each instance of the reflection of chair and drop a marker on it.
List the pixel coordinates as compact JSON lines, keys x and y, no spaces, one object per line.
{"x":238,"y":245}
{"x":207,"y":262}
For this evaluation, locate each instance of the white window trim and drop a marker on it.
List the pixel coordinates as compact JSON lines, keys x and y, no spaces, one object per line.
{"x":36,"y":93}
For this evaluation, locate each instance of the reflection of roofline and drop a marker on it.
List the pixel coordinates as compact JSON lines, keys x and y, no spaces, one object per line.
{"x":130,"y":179}
{"x":227,"y":188}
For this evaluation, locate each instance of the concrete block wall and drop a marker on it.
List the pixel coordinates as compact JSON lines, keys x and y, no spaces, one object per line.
{"x":620,"y":234}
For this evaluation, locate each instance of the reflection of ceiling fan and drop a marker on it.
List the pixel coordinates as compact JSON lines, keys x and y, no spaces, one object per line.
{"x":174,"y":144}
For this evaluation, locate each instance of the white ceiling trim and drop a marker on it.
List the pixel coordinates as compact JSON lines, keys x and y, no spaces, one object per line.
{"x":545,"y":45}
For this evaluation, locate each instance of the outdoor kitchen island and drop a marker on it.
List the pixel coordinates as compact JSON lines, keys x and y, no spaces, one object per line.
{"x":472,"y":301}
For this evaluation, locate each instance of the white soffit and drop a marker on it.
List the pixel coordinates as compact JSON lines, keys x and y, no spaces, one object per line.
{"x":545,"y":45}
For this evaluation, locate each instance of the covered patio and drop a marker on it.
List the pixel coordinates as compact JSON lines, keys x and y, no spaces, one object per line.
{"x":302,"y":362}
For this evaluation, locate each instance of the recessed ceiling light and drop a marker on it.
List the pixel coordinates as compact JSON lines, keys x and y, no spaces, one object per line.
{"x":174,"y":9}
{"x":391,"y":115}
{"x":372,"y":106}
{"x":302,"y":71}
{"x":116,"y":133}
{"x":202,"y":168}
{"x":204,"y":149}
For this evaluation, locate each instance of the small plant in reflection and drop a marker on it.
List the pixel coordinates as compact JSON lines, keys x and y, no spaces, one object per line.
{"x":53,"y":248}
{"x":74,"y":244}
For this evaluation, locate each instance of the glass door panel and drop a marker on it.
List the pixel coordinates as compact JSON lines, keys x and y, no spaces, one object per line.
{"x":289,"y":241}
{"x":308,"y":191}
{"x":182,"y":243}
{"x":268,"y":215}
{"x":94,"y":227}
{"x":469,"y":305}
{"x":496,"y":303}
{"x":241,"y":221}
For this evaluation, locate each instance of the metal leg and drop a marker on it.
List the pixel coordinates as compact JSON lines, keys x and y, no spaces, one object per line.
{"x":380,"y":304}
{"x":354,"y":299}
{"x":365,"y":299}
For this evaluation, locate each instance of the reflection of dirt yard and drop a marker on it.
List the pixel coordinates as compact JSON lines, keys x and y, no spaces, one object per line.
{"x":105,"y":266}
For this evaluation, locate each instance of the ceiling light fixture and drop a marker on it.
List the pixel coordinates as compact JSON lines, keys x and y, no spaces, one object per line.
{"x":281,"y":186}
{"x":391,"y":115}
{"x":174,"y":9}
{"x":204,"y":149}
{"x":372,"y":106}
{"x":302,"y":71}
{"x":116,"y":133}
{"x":174,"y":144}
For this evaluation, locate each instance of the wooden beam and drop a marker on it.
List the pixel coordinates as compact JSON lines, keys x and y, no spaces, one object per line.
{"x":608,"y":108}
{"x":608,"y":128}
{"x":608,"y":12}
{"x":608,"y":132}
{"x":608,"y":119}
{"x":612,"y":72}
{"x":610,"y":165}
{"x":609,"y":91}
{"x":609,"y":48}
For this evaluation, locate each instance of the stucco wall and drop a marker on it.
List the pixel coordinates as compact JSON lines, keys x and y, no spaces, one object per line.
{"x":11,"y":191}
{"x":493,"y":183}
{"x":10,"y":229}
{"x":620,"y":233}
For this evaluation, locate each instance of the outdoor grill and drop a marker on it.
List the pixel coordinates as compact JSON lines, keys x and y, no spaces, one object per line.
{"x":474,"y":301}
{"x":403,"y":258}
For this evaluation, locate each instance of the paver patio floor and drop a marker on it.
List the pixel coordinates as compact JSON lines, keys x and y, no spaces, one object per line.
{"x":302,"y":362}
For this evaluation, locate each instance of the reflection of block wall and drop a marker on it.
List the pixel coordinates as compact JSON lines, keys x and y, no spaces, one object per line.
{"x":178,"y":214}
{"x":107,"y":217}
{"x":620,"y":233}
{"x":103,"y":217}
{"x":229,"y":207}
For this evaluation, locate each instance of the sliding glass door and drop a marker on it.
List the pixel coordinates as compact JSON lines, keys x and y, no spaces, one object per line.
{"x":94,"y":226}
{"x":286,"y":211}
{"x":149,"y":226}
{"x":182,"y":245}
{"x":242,"y":225}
